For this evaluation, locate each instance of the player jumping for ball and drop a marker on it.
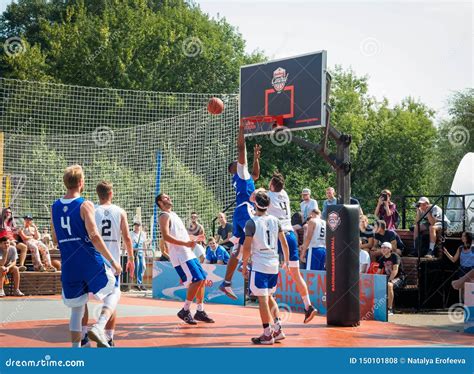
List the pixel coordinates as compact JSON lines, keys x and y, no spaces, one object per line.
{"x":112,"y":223}
{"x":244,"y":186}
{"x":262,"y":233}
{"x":182,"y":258}
{"x":83,"y":251}
{"x":280,"y":208}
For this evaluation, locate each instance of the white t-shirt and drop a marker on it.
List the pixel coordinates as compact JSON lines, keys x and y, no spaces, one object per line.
{"x":138,"y":240}
{"x":264,"y":232}
{"x":280,"y":208}
{"x":179,"y":254}
{"x":107,"y":219}
{"x":319,"y":234}
{"x":364,"y":258}
{"x":307,"y":207}
{"x":199,"y":250}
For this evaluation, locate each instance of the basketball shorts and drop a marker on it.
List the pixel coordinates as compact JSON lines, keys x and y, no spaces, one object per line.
{"x":316,"y":258}
{"x":262,"y":284}
{"x":293,"y":248}
{"x":96,"y":278}
{"x":241,"y":215}
{"x":191,"y":271}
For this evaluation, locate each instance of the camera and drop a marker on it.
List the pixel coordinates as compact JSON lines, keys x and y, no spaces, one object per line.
{"x":384,"y":196}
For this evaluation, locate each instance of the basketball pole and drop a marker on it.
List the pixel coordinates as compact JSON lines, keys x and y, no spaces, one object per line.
{"x":2,"y":137}
{"x":341,"y":161}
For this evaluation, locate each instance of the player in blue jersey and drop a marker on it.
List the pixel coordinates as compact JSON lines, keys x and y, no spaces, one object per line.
{"x":83,"y":266}
{"x":244,"y":186}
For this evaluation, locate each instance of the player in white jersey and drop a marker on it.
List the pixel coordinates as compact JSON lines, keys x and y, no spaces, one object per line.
{"x":184,"y":261}
{"x":313,"y":250}
{"x":280,"y":208}
{"x":112,"y":223}
{"x":262,"y":233}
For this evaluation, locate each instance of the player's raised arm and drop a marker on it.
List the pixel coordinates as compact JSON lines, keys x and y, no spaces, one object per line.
{"x":256,"y":161}
{"x":241,"y":150}
{"x":127,"y":241}
{"x":167,"y":237}
{"x":88,"y":215}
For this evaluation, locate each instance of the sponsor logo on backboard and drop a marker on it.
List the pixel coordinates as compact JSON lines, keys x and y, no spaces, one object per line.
{"x":334,"y":221}
{"x":280,"y":77}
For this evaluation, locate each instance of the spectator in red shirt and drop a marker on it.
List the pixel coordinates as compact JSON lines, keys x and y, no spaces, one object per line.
{"x":386,"y":210}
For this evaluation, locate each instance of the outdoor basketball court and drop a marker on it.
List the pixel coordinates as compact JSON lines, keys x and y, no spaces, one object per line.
{"x":144,"y":322}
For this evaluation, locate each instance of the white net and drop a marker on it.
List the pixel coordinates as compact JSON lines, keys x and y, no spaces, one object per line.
{"x":140,"y":141}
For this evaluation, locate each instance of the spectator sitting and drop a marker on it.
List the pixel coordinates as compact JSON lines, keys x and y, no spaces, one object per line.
{"x":391,"y":265}
{"x":224,"y":232}
{"x":30,"y":236}
{"x":8,"y":264}
{"x":7,"y":223}
{"x":216,"y":254}
{"x":465,"y":253}
{"x":382,"y":235}
{"x":432,"y":222}
{"x":386,"y":210}
{"x":46,"y":238}
{"x":366,"y":233}
{"x":364,"y":261}
{"x":307,"y":204}
{"x":195,"y":229}
{"x":331,"y":200}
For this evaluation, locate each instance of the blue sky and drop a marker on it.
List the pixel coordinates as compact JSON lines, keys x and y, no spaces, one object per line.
{"x":423,"y":49}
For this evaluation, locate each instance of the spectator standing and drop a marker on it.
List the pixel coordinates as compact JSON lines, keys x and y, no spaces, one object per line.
{"x":139,"y":240}
{"x":464,"y":253}
{"x":331,"y":200}
{"x":224,"y":232}
{"x":307,"y":204}
{"x":7,"y":223}
{"x":432,"y":222}
{"x":8,"y":264}
{"x":386,"y":210}
{"x":30,"y":236}
{"x":216,"y":254}
{"x":391,"y":265}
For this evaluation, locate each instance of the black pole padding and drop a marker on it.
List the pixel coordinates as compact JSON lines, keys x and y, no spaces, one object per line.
{"x":342,"y":265}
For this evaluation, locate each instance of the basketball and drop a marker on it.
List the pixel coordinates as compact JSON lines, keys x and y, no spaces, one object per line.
{"x":215,"y":106}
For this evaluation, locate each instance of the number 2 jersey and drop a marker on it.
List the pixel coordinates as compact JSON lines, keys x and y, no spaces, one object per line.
{"x":264,"y":232}
{"x":77,"y":251}
{"x":107,"y":218}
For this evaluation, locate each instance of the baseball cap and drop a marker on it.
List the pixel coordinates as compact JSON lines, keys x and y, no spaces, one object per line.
{"x":386,"y":245}
{"x":28,"y":216}
{"x":306,"y":191}
{"x":423,"y":200}
{"x":137,"y":222}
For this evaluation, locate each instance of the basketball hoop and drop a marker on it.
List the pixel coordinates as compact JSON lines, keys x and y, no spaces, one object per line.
{"x":254,"y":122}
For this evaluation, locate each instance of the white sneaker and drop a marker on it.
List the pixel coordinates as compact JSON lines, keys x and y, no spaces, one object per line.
{"x":2,"y":293}
{"x":18,"y":293}
{"x":98,"y":335}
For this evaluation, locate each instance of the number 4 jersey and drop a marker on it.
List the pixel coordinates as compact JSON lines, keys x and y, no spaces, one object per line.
{"x":107,"y":218}
{"x":76,"y":248}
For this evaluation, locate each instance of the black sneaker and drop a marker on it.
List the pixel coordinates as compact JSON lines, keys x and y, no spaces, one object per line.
{"x":85,"y":343}
{"x":264,"y":340}
{"x":187,"y":317}
{"x":203,"y":317}
{"x":309,"y":314}
{"x":143,"y":288}
{"x":111,"y":343}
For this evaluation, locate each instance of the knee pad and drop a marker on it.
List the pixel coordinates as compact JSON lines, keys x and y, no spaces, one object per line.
{"x":75,"y":323}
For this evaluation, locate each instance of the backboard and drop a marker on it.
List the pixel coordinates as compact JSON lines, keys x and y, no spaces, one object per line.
{"x":288,"y":92}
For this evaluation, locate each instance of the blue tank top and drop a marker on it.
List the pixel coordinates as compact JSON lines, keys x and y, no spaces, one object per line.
{"x":467,"y":257}
{"x":243,"y":189}
{"x":74,"y":244}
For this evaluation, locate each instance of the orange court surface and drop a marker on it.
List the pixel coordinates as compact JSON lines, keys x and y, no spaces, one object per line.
{"x":42,"y":321}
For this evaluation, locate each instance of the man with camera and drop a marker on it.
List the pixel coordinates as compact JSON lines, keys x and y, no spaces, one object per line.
{"x":386,"y":210}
